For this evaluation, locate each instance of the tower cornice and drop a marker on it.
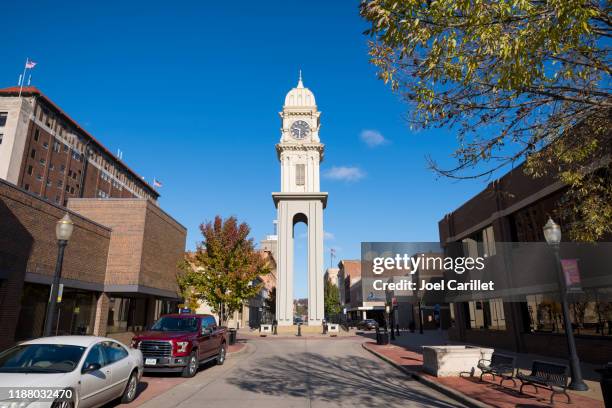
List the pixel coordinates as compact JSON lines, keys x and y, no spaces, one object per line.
{"x":300,"y":147}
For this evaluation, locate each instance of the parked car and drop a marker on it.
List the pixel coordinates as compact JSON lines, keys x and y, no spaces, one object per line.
{"x":70,"y":372}
{"x":367,"y":324}
{"x":181,"y":342}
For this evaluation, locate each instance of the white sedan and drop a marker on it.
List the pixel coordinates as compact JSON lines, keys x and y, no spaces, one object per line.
{"x":68,"y":372}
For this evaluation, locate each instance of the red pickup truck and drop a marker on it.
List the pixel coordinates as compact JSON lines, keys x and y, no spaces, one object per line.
{"x":181,"y":342}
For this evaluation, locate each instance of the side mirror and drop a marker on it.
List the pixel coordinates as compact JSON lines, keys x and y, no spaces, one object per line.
{"x":91,"y":367}
{"x":205,"y":331}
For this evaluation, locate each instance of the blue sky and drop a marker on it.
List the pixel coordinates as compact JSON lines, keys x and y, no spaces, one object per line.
{"x":190,"y":92}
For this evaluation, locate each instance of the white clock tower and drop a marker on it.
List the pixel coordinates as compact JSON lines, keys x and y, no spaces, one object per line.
{"x":300,"y":152}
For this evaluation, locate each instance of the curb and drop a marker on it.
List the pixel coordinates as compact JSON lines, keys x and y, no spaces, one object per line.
{"x":448,"y":391}
{"x":233,"y":353}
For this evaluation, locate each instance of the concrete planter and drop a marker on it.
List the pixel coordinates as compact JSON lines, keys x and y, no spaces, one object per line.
{"x":451,"y":361}
{"x":265,"y":329}
{"x":333,"y":328}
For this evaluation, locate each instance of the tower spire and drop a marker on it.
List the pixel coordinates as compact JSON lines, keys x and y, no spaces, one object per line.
{"x":300,"y":84}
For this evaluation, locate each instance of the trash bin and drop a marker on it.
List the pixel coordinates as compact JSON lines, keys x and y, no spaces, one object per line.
{"x":606,"y":383}
{"x":232,"y":336}
{"x":382,"y":338}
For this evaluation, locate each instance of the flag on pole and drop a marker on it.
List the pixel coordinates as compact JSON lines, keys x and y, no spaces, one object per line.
{"x":157,"y":183}
{"x":30,"y":64}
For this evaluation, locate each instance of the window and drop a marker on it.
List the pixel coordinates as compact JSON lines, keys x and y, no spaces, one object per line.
{"x":56,"y":147}
{"x":27,"y":187}
{"x":36,"y":135}
{"x":95,"y":356}
{"x":114,"y":352}
{"x":67,"y":188}
{"x":30,"y":170}
{"x":488,"y":241}
{"x":1,"y":137}
{"x":71,"y":190}
{"x":488,"y":314}
{"x":39,"y":177}
{"x":3,"y":116}
{"x":103,"y":194}
{"x":49,"y":183}
{"x":60,"y":183}
{"x":51,"y":166}
{"x":481,"y":243}
{"x":300,"y":174}
{"x":42,"y":161}
{"x":544,"y":314}
{"x":33,"y":153}
{"x":62,"y":168}
{"x":45,"y":145}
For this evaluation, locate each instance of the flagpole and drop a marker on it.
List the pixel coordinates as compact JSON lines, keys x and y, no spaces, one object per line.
{"x":25,"y":67}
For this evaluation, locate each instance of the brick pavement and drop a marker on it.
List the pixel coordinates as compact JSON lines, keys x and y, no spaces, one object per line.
{"x":487,"y":391}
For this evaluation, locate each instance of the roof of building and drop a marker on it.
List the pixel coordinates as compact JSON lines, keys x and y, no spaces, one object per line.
{"x":33,"y":91}
{"x":300,"y":96}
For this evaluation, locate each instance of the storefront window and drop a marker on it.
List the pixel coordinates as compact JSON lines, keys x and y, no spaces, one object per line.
{"x":74,"y":312}
{"x":126,"y":314}
{"x":486,"y":314}
{"x":33,"y":310}
{"x":588,"y":317}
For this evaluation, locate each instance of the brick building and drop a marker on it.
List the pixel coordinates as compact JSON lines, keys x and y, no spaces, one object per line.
{"x":513,"y":210}
{"x":46,"y":152}
{"x":120,"y":265}
{"x":351,"y":293}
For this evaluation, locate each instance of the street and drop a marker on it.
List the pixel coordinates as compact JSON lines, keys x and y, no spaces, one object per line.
{"x":302,"y":373}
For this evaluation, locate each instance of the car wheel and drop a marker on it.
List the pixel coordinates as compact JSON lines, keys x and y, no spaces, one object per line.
{"x":192,"y":366}
{"x":130,"y":389}
{"x":63,"y":404}
{"x":221,"y":355}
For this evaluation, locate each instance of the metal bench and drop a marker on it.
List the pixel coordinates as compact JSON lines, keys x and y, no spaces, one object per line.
{"x":501,"y":365}
{"x":551,"y":375}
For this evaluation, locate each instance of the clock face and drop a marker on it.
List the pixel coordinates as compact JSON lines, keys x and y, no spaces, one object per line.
{"x":300,"y":129}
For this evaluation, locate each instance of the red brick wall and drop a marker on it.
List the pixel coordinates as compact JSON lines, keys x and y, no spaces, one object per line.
{"x":146,"y":244}
{"x":28,"y":244}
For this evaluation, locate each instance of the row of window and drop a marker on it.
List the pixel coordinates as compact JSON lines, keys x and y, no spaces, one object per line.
{"x":79,"y":144}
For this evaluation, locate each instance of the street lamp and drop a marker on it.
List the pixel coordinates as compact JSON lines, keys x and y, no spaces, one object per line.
{"x":552,"y":234}
{"x":63,"y":231}
{"x":387,"y":312}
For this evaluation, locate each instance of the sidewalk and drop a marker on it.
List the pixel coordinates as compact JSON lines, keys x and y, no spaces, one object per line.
{"x":405,"y":354}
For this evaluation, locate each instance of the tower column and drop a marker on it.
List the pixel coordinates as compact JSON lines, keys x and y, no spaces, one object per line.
{"x":284,"y":290}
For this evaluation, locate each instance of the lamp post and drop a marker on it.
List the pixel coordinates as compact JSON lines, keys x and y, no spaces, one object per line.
{"x":63,"y":231}
{"x":552,"y":234}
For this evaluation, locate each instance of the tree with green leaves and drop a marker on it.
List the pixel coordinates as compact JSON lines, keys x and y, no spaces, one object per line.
{"x":517,"y":80}
{"x":331,"y":298}
{"x":224,"y":267}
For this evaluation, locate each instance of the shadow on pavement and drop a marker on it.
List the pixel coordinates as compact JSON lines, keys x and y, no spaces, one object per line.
{"x":353,"y":380}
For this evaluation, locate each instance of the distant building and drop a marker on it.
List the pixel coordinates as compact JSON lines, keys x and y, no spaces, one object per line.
{"x":352,"y":297}
{"x":44,"y":151}
{"x":331,"y":274}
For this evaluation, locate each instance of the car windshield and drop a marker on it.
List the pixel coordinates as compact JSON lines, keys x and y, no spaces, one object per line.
{"x":41,"y":358}
{"x":183,"y":324}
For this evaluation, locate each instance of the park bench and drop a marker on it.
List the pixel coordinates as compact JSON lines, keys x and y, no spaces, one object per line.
{"x":501,"y":365}
{"x":551,"y":375}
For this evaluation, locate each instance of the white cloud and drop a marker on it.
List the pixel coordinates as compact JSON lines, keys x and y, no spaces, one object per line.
{"x":344,"y":173}
{"x":328,"y":235}
{"x":372,"y":138}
